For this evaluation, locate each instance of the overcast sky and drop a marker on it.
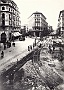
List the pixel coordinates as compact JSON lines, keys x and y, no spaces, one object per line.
{"x":50,"y":8}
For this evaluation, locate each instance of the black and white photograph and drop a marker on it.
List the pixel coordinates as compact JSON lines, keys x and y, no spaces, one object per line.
{"x":31,"y":45}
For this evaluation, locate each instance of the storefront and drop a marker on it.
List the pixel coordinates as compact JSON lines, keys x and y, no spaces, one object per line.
{"x":3,"y":37}
{"x":16,"y":35}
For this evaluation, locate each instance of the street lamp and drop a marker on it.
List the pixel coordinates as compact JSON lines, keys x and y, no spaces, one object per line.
{"x":35,"y":40}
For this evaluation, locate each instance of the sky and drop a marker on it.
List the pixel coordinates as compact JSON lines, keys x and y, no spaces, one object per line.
{"x":50,"y":8}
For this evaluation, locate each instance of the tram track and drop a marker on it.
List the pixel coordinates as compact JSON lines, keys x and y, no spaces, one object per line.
{"x":12,"y":58}
{"x":21,"y":62}
{"x":24,"y":58}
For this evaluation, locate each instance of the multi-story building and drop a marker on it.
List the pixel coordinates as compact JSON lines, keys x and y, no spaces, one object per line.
{"x":61,"y":23}
{"x":9,"y":19}
{"x":37,"y":23}
{"x":50,"y":29}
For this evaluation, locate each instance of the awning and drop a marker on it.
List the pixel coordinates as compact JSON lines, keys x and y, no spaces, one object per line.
{"x":16,"y":34}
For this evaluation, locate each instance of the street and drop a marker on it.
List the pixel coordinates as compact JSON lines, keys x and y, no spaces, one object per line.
{"x":45,"y":74}
{"x":13,"y":54}
{"x":31,"y":45}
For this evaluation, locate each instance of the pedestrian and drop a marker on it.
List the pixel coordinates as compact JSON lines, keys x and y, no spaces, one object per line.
{"x":53,"y":48}
{"x":13,"y":44}
{"x":28,"y":48}
{"x":2,"y":54}
{"x":40,"y":45}
{"x":0,"y":47}
{"x":35,"y":41}
{"x":17,"y":61}
{"x":31,"y":47}
{"x":61,"y":54}
{"x":50,"y":48}
{"x":4,"y":46}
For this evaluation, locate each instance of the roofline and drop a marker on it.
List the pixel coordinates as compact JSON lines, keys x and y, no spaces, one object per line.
{"x":5,"y":1}
{"x":37,"y":13}
{"x":60,"y":13}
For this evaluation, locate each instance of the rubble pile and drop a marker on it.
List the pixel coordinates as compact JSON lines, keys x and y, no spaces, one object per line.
{"x":30,"y":80}
{"x":39,"y":75}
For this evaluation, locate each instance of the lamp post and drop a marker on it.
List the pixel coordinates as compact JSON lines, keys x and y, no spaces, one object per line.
{"x":35,"y":41}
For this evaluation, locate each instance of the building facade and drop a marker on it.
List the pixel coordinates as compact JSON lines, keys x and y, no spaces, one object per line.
{"x":37,"y":23}
{"x":9,"y":19}
{"x":61,"y":23}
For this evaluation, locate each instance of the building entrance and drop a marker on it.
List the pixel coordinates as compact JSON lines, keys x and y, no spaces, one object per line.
{"x":37,"y":34}
{"x":3,"y":37}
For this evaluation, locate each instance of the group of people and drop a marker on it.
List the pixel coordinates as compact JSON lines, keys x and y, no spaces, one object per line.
{"x":29,"y":47}
{"x":2,"y":52}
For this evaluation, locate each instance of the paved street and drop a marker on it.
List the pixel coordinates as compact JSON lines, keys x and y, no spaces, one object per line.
{"x":13,"y":53}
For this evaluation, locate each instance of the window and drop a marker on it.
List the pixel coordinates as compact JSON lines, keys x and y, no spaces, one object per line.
{"x":9,"y":16}
{"x":13,"y":11}
{"x":38,"y":24}
{"x":3,"y":15}
{"x":35,"y":20}
{"x":3,"y":8}
{"x":18,"y":23}
{"x":9,"y":9}
{"x":3,"y":23}
{"x":18,"y":19}
{"x":37,"y":15}
{"x":39,"y":19}
{"x":10,"y":22}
